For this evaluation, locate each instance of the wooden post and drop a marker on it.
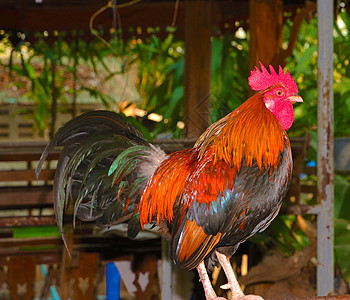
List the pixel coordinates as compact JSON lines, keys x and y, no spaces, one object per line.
{"x":197,"y":67}
{"x":67,"y":258}
{"x":66,"y":263}
{"x":266,"y":28}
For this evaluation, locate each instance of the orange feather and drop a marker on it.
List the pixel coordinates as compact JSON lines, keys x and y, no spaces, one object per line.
{"x":251,"y":132}
{"x":195,"y":241}
{"x":158,"y":197}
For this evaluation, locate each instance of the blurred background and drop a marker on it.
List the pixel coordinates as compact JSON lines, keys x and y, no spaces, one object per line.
{"x":59,"y":59}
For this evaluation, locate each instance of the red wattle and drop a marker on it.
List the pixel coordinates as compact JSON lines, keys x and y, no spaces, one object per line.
{"x":284,"y":113}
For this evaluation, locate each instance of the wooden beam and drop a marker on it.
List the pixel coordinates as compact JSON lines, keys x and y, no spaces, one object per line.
{"x":66,"y":16}
{"x":266,"y":25}
{"x":51,"y":256}
{"x":197,"y":67}
{"x":16,"y":154}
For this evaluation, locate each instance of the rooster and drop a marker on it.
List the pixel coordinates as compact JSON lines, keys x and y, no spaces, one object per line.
{"x":207,"y":200}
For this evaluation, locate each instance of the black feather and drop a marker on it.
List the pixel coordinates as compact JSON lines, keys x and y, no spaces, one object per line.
{"x":98,"y":170}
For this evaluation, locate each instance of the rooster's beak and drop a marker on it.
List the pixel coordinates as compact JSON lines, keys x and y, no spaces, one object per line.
{"x":295,"y":98}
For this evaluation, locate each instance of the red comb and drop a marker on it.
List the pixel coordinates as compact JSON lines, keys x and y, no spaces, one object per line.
{"x":261,"y":80}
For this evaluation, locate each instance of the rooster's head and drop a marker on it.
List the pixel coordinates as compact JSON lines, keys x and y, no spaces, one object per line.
{"x":279,"y":92}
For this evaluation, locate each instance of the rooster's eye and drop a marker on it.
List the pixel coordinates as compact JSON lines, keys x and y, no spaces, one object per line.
{"x":279,"y":93}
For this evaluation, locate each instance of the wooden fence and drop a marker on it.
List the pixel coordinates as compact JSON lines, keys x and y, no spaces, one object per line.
{"x":16,"y":125}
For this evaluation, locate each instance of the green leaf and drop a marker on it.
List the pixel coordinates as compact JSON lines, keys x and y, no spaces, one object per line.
{"x":175,"y":97}
{"x":303,"y":62}
{"x":341,"y":198}
{"x":342,"y":246}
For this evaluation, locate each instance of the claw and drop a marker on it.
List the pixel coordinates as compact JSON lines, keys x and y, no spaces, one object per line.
{"x":226,"y":286}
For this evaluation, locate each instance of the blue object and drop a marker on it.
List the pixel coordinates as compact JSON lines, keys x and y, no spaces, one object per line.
{"x":54,"y":293}
{"x":53,"y":290}
{"x":311,"y":163}
{"x":112,"y":282}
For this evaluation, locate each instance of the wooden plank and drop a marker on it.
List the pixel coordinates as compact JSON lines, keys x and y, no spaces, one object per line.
{"x":16,"y":154}
{"x":25,"y":175}
{"x":27,"y":221}
{"x":13,"y":242}
{"x":312,"y":189}
{"x":52,"y":256}
{"x":35,"y":196}
{"x":197,"y":74}
{"x":310,"y":170}
{"x":81,"y":242}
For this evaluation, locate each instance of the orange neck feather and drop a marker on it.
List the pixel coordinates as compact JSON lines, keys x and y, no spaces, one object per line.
{"x":250,"y":131}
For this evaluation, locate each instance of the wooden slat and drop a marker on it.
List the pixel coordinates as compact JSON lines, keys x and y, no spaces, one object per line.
{"x":82,"y":241}
{"x":312,"y":189}
{"x":21,"y":197}
{"x":43,"y":256}
{"x":25,"y":175}
{"x":15,"y":154}
{"x":310,"y":170}
{"x":27,"y":221}
{"x":14,"y":242}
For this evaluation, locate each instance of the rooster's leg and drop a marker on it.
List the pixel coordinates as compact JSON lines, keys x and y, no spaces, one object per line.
{"x":233,"y":284}
{"x":208,"y":288}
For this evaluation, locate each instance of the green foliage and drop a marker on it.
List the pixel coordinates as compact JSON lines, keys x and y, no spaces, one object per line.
{"x":341,"y":198}
{"x":342,"y":246}
{"x":342,"y":75}
{"x":229,"y":85}
{"x":282,"y":233}
{"x":49,"y":66}
{"x":160,"y":78}
{"x":303,"y":66}
{"x":342,"y":224}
